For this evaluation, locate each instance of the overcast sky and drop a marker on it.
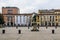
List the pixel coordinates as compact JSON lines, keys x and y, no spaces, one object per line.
{"x":29,"y":6}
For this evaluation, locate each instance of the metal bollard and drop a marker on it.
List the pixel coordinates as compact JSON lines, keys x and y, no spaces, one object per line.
{"x":19,"y":31}
{"x":3,"y":31}
{"x":53,"y":31}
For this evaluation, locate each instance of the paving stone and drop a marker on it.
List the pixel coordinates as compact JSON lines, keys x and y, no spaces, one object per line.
{"x":42,"y":34}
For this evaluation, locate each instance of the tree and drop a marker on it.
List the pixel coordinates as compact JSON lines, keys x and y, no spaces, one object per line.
{"x":1,"y":20}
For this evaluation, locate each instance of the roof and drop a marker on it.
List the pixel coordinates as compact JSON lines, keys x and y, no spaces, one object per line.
{"x":10,"y":7}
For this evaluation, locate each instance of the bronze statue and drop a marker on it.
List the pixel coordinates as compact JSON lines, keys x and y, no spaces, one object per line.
{"x":34,"y":23}
{"x":34,"y":17}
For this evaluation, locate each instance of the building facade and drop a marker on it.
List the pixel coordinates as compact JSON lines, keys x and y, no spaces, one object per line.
{"x":9,"y":20}
{"x":49,"y":17}
{"x":45,"y":17}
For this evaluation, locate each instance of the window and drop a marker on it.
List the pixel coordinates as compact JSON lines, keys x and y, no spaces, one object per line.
{"x":53,"y":18}
{"x":9,"y":18}
{"x":38,"y":17}
{"x":56,"y":19}
{"x":9,"y":11}
{"x":56,"y":16}
{"x":50,"y":18}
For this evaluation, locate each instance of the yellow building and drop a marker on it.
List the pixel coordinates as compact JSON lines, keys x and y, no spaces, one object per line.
{"x":49,"y":17}
{"x":57,"y":17}
{"x":38,"y":20}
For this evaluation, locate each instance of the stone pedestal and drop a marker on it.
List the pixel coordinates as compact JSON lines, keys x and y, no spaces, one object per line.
{"x":35,"y":27}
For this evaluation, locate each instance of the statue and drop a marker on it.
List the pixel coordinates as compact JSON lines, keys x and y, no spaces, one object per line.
{"x":34,"y":17}
{"x":34,"y":24}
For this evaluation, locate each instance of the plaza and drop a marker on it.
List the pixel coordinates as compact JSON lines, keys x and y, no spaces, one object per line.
{"x":33,"y":26}
{"x":11,"y":33}
{"x":29,"y":20}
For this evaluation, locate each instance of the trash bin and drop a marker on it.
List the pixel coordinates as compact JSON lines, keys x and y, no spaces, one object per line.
{"x":3,"y":31}
{"x":53,"y":31}
{"x":19,"y":31}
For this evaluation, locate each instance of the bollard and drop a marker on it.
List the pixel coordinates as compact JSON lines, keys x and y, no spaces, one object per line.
{"x":19,"y":31}
{"x":56,"y":27}
{"x":28,"y":27}
{"x":46,"y":27}
{"x":3,"y":31}
{"x":53,"y":31}
{"x":16,"y":27}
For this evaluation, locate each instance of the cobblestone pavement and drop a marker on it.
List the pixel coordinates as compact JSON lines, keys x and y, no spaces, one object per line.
{"x":26,"y":34}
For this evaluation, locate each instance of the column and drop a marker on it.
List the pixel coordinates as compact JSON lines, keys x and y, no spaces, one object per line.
{"x":6,"y":23}
{"x":31,"y":20}
{"x":27,"y":21}
{"x":16,"y":20}
{"x":41,"y":20}
{"x":23,"y":20}
{"x":51,"y":20}
{"x":9,"y":18}
{"x":6,"y":20}
{"x":47,"y":20}
{"x":20,"y":19}
{"x":44,"y":20}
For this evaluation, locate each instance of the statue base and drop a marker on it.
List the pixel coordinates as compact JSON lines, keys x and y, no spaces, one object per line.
{"x":34,"y":27}
{"x":34,"y":30}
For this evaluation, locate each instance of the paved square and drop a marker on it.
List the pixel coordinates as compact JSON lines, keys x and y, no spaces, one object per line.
{"x":26,"y":34}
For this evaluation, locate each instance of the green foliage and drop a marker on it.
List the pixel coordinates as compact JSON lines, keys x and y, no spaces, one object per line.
{"x":1,"y":19}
